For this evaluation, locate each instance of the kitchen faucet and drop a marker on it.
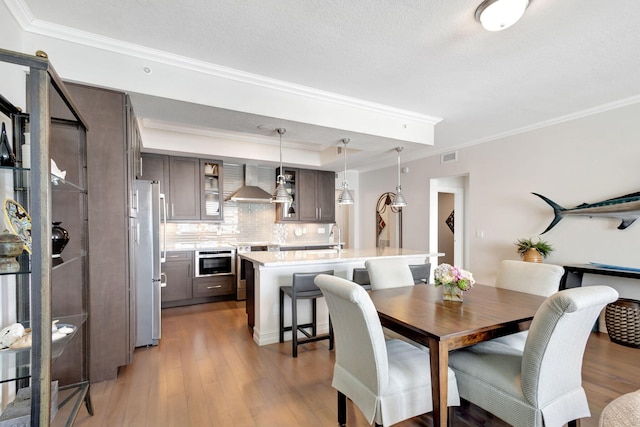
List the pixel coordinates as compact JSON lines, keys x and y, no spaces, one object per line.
{"x":338,"y":246}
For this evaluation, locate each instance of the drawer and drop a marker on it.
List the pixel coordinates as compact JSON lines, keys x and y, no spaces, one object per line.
{"x":213,"y":286}
{"x":179,"y":256}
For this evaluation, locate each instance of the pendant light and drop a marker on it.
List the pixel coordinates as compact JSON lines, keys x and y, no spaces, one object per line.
{"x":399,"y":202}
{"x":281,"y":195}
{"x":345,"y":198}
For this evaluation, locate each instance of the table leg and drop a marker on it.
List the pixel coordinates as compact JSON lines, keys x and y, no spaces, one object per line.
{"x":439,"y":354}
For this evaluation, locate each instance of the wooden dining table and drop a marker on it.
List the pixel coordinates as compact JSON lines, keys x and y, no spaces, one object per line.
{"x":420,"y":314}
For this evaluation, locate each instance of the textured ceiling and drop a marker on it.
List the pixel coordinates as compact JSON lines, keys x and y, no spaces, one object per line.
{"x":426,"y":56}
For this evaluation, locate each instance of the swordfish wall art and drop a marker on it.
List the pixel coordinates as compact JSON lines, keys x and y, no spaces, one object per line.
{"x":626,"y":208}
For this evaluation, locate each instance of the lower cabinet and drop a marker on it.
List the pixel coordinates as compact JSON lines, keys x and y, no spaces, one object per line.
{"x":184,"y":289}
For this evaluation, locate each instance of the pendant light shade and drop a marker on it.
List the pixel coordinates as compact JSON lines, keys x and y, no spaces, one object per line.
{"x":399,"y":201}
{"x":281,"y":195}
{"x":497,"y":15}
{"x":345,"y":198}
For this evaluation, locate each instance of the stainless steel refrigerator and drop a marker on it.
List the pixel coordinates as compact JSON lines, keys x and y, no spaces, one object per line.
{"x":148,"y":254}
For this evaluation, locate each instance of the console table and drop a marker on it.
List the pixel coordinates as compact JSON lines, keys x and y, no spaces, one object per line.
{"x":572,"y":277}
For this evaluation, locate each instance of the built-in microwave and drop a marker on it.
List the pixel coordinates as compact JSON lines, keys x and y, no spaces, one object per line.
{"x":215,"y":263}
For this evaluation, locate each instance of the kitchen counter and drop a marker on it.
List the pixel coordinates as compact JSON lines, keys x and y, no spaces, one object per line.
{"x":231,"y":244}
{"x":274,"y":269}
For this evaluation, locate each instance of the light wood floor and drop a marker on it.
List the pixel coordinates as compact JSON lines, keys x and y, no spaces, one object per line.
{"x":208,"y":372}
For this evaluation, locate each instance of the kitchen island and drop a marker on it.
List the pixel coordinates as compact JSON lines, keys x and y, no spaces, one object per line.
{"x":267,"y":271}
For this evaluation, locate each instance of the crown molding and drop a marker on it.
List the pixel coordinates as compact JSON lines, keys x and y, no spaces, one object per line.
{"x":26,"y":20}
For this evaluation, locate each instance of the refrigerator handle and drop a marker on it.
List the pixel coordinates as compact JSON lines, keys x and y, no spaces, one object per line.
{"x":137,"y":226}
{"x":163,"y":208}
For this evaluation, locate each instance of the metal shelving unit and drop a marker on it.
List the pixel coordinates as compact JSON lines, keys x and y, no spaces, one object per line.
{"x":36,"y":305}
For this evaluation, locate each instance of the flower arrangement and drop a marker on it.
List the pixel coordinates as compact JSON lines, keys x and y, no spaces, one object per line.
{"x":453,"y":276}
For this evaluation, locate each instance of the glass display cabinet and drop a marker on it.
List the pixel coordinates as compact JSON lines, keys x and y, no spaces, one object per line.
{"x":47,"y":294}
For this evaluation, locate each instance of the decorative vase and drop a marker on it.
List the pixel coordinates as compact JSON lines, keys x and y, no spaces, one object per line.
{"x":532,"y":255}
{"x":59,"y":238}
{"x":452,"y":293}
{"x":10,"y":247}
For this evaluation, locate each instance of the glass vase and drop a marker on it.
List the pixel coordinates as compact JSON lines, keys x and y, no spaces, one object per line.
{"x":452,"y":293}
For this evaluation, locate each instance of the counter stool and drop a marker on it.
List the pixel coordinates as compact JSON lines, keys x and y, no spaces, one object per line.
{"x":303,"y":288}
{"x":361,"y":277}
{"x":420,"y":273}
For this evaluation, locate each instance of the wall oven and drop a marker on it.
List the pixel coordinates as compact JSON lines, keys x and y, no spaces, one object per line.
{"x":215,"y":263}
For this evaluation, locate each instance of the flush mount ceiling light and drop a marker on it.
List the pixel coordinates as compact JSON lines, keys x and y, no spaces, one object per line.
{"x":399,"y":201}
{"x":496,"y":15}
{"x":281,"y":195}
{"x":345,"y":198}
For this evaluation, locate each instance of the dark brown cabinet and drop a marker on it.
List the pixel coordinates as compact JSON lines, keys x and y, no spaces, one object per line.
{"x":213,"y":286}
{"x":316,"y":191}
{"x":178,"y":272}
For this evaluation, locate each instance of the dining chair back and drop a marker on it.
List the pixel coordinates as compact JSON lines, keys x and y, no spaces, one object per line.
{"x":389,"y":381}
{"x":389,"y":273}
{"x":543,"y":385}
{"x":530,"y":277}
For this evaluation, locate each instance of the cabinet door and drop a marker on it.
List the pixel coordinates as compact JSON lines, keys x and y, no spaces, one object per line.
{"x":325,"y":196}
{"x":307,"y":208}
{"x":184,"y":188}
{"x":179,"y":274}
{"x":155,"y":167}
{"x":211,"y":190}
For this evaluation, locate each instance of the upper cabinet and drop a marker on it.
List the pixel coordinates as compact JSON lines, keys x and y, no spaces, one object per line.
{"x":313,"y":195}
{"x":211,"y":190}
{"x":192,"y":186}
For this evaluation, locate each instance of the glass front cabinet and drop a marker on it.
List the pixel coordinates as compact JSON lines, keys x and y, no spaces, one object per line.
{"x":44,"y":351}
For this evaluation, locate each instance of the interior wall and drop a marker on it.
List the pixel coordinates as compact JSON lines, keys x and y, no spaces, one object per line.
{"x":583,"y":160}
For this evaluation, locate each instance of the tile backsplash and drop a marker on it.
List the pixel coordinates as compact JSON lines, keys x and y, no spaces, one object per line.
{"x":248,"y":222}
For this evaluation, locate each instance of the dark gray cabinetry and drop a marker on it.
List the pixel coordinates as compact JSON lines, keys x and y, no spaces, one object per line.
{"x":155,"y":167}
{"x":184,"y":188}
{"x":315,"y":190}
{"x":192,"y":186}
{"x":178,"y":269}
{"x":182,"y":288}
{"x":112,"y":164}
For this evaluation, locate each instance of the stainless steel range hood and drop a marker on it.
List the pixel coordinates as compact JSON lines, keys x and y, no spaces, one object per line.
{"x":251,"y":193}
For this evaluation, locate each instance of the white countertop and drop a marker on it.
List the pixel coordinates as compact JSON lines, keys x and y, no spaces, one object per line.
{"x":221,"y":245}
{"x":325,"y":256}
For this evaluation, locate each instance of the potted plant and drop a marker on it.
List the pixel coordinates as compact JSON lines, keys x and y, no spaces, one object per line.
{"x":533,"y":251}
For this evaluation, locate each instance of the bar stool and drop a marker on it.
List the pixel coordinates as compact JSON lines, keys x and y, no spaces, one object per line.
{"x":420,"y":273}
{"x":361,"y":277}
{"x":303,"y":288}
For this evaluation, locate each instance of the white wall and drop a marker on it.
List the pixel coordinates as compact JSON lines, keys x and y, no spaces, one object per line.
{"x":583,"y":160}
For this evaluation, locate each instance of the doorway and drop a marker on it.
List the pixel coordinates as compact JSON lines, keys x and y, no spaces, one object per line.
{"x":447,"y":229}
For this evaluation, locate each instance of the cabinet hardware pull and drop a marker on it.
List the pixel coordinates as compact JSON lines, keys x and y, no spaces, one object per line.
{"x":214,"y":287}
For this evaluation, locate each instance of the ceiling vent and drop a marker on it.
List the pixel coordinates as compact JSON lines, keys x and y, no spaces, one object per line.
{"x":449,"y":157}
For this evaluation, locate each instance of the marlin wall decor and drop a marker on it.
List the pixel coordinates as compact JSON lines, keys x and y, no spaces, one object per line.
{"x":625,"y":208}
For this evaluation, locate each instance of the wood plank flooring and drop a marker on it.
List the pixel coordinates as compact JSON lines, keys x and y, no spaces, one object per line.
{"x":208,"y":372}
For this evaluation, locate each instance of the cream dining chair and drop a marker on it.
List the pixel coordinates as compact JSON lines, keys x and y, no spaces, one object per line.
{"x":529,"y":277}
{"x":543,"y":385}
{"x":389,"y":381}
{"x":389,"y":273}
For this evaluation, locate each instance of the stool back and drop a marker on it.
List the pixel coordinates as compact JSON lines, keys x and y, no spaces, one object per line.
{"x":303,"y":282}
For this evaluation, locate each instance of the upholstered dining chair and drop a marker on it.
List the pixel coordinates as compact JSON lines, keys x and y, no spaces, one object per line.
{"x":529,"y":277}
{"x":388,"y":273}
{"x":389,"y":381}
{"x":543,"y":385}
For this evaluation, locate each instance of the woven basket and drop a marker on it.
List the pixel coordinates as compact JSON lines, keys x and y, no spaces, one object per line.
{"x":623,"y":322}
